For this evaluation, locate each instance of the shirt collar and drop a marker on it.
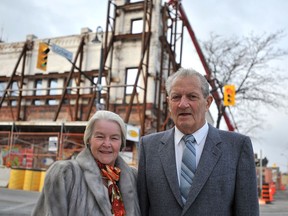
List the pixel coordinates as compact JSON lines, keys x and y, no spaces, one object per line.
{"x":199,"y":135}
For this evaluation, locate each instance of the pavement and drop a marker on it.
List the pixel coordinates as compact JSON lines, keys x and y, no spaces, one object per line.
{"x":278,"y":207}
{"x":17,"y":202}
{"x":21,"y":203}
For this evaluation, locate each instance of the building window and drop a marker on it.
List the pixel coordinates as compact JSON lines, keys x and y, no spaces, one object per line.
{"x":103,"y":83}
{"x":14,"y":93}
{"x":130,"y":79}
{"x":52,"y":91}
{"x":38,"y":91}
{"x":99,"y":87}
{"x":14,"y":89}
{"x":133,"y":1}
{"x":69,"y":86}
{"x":136,"y":26}
{"x":2,"y":88}
{"x":13,"y":103}
{"x":68,"y":91}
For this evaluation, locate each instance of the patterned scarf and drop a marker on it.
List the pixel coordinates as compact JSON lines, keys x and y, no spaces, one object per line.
{"x":112,"y":175}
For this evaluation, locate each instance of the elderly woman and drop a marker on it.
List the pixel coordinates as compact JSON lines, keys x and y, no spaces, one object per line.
{"x":98,"y":181}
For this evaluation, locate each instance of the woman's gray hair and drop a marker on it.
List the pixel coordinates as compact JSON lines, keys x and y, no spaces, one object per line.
{"x":182,"y":72}
{"x":109,"y":116}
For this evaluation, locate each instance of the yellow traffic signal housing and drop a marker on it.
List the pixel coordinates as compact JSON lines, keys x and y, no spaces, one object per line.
{"x":229,"y":95}
{"x":42,"y":58}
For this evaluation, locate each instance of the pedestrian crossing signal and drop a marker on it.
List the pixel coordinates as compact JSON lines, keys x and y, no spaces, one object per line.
{"x":42,"y":57}
{"x":229,"y":95}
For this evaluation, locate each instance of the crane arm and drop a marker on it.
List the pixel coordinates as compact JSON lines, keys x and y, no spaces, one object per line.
{"x":215,"y":94}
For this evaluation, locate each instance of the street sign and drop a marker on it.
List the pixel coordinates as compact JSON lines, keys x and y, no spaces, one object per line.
{"x":63,"y":52}
{"x":133,"y":133}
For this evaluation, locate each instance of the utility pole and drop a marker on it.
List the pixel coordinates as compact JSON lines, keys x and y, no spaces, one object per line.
{"x":99,"y":33}
{"x":261,"y":174}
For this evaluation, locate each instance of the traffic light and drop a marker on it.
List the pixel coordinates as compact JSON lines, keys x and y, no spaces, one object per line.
{"x":42,"y":58}
{"x":229,"y":95}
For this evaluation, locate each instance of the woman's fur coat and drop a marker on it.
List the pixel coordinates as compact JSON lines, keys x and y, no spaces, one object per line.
{"x":75,"y":187}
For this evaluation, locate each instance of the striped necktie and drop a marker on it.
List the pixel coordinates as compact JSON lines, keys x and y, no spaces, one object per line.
{"x":188,"y":166}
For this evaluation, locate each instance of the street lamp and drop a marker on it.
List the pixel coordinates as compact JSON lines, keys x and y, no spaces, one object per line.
{"x":98,"y":39}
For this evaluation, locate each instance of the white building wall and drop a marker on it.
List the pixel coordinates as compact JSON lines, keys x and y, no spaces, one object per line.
{"x":126,"y":55}
{"x":10,"y":53}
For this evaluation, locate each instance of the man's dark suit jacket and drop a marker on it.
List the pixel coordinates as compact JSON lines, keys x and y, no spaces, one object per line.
{"x":225,"y":182}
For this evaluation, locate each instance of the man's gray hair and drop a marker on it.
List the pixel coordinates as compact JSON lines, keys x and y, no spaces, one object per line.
{"x":182,"y":72}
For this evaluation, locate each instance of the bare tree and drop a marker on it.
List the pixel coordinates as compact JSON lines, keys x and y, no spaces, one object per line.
{"x":249,"y":64}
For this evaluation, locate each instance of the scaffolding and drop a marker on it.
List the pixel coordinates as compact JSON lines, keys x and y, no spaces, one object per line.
{"x":160,"y":54}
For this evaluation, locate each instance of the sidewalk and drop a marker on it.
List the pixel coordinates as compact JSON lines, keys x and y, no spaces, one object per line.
{"x":278,"y":207}
{"x":21,"y":203}
{"x":17,"y":202}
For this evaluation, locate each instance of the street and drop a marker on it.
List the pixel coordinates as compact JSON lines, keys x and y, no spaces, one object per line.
{"x":279,"y":207}
{"x":19,"y":202}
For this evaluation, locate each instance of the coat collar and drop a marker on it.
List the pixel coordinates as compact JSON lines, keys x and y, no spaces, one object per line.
{"x":93,"y":178}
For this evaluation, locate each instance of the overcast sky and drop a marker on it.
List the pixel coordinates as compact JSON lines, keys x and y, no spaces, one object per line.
{"x":53,"y":18}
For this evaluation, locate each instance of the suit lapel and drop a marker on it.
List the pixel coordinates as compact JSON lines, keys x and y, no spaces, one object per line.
{"x":210,"y":155}
{"x":167,"y":157}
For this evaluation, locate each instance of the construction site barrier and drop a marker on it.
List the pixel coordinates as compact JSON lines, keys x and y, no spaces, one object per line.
{"x":272,"y":188}
{"x":16,"y":180}
{"x":267,"y":195}
{"x":26,"y":179}
{"x":43,"y":174}
{"x":32,"y":180}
